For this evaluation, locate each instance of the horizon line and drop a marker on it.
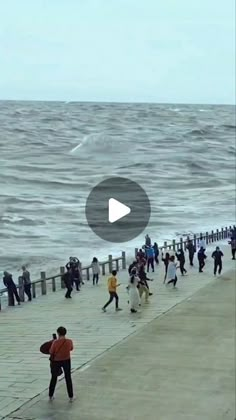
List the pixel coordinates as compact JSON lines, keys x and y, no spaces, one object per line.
{"x":119,"y":102}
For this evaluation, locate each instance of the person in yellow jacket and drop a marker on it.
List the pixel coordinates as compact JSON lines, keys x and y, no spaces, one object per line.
{"x":112,"y":286}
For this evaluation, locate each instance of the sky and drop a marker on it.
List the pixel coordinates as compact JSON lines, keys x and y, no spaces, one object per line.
{"x":174,"y":51}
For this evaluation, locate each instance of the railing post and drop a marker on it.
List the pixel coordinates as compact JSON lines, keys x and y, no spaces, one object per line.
{"x":226,"y":232}
{"x":53,"y":284}
{"x":117,"y":265}
{"x":123,"y":260}
{"x":34,"y":290}
{"x":103,"y":269}
{"x":217,"y":234}
{"x":21,"y":289}
{"x":207,"y":238}
{"x":110,"y":263}
{"x":165,"y":245}
{"x":62,"y":272}
{"x":173,"y":244}
{"x":43,"y":283}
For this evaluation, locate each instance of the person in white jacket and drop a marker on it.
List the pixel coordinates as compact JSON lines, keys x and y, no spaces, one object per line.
{"x":171,"y":271}
{"x":134,"y":298}
{"x":95,"y":270}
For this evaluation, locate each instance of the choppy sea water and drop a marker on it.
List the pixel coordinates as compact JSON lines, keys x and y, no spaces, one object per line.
{"x":182,"y":155}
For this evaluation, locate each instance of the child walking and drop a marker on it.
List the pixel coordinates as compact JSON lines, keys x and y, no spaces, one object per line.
{"x":96,"y":270}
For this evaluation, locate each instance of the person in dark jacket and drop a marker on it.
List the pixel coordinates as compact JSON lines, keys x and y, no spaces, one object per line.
{"x":232,"y":242}
{"x":217,"y":255}
{"x":11,"y":288}
{"x":201,"y":259}
{"x":144,"y":278}
{"x":166,"y":260}
{"x":156,"y":252}
{"x":27,"y":283}
{"x":68,"y":280}
{"x":181,"y":258}
{"x":76,"y":278}
{"x":191,"y":251}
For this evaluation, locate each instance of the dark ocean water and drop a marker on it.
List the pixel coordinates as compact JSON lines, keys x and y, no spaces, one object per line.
{"x":182,"y":155}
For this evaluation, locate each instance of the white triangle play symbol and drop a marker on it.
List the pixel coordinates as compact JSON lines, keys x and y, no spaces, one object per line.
{"x":117,"y":210}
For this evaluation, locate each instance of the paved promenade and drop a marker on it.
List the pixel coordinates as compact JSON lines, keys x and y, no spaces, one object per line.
{"x":118,"y":376}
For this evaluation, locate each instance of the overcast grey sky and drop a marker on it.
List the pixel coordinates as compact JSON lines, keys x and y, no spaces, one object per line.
{"x":118,"y":50}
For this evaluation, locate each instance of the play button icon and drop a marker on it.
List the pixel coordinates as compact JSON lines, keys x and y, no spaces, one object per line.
{"x":117,"y":209}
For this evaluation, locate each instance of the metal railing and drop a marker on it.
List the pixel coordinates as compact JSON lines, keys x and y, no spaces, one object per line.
{"x":211,"y":237}
{"x":44,"y":284}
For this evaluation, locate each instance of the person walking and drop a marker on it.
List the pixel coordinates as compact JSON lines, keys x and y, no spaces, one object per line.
{"x":201,"y":259}
{"x":11,"y":289}
{"x":60,"y":359}
{"x":191,"y":251}
{"x":95,"y":270}
{"x":27,"y":283}
{"x":156,"y":252}
{"x":217,"y":255}
{"x":171,"y":271}
{"x":112,"y":286}
{"x":67,"y":278}
{"x":166,"y":260}
{"x":232,"y":242}
{"x":150,"y":258}
{"x":181,"y":258}
{"x":143,"y":283}
{"x":134,"y":298}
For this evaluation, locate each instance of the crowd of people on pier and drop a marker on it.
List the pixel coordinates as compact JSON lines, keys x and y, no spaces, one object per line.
{"x":147,"y":258}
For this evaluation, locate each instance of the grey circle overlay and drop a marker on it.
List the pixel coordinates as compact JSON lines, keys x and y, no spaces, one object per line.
{"x":127,"y":192}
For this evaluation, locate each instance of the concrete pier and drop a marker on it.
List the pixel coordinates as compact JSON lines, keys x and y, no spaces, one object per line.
{"x":173,"y":361}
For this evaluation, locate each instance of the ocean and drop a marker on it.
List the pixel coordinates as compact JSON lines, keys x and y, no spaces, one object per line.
{"x":182,"y":155}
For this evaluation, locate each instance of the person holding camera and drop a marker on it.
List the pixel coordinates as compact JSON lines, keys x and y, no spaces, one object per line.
{"x":60,"y":360}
